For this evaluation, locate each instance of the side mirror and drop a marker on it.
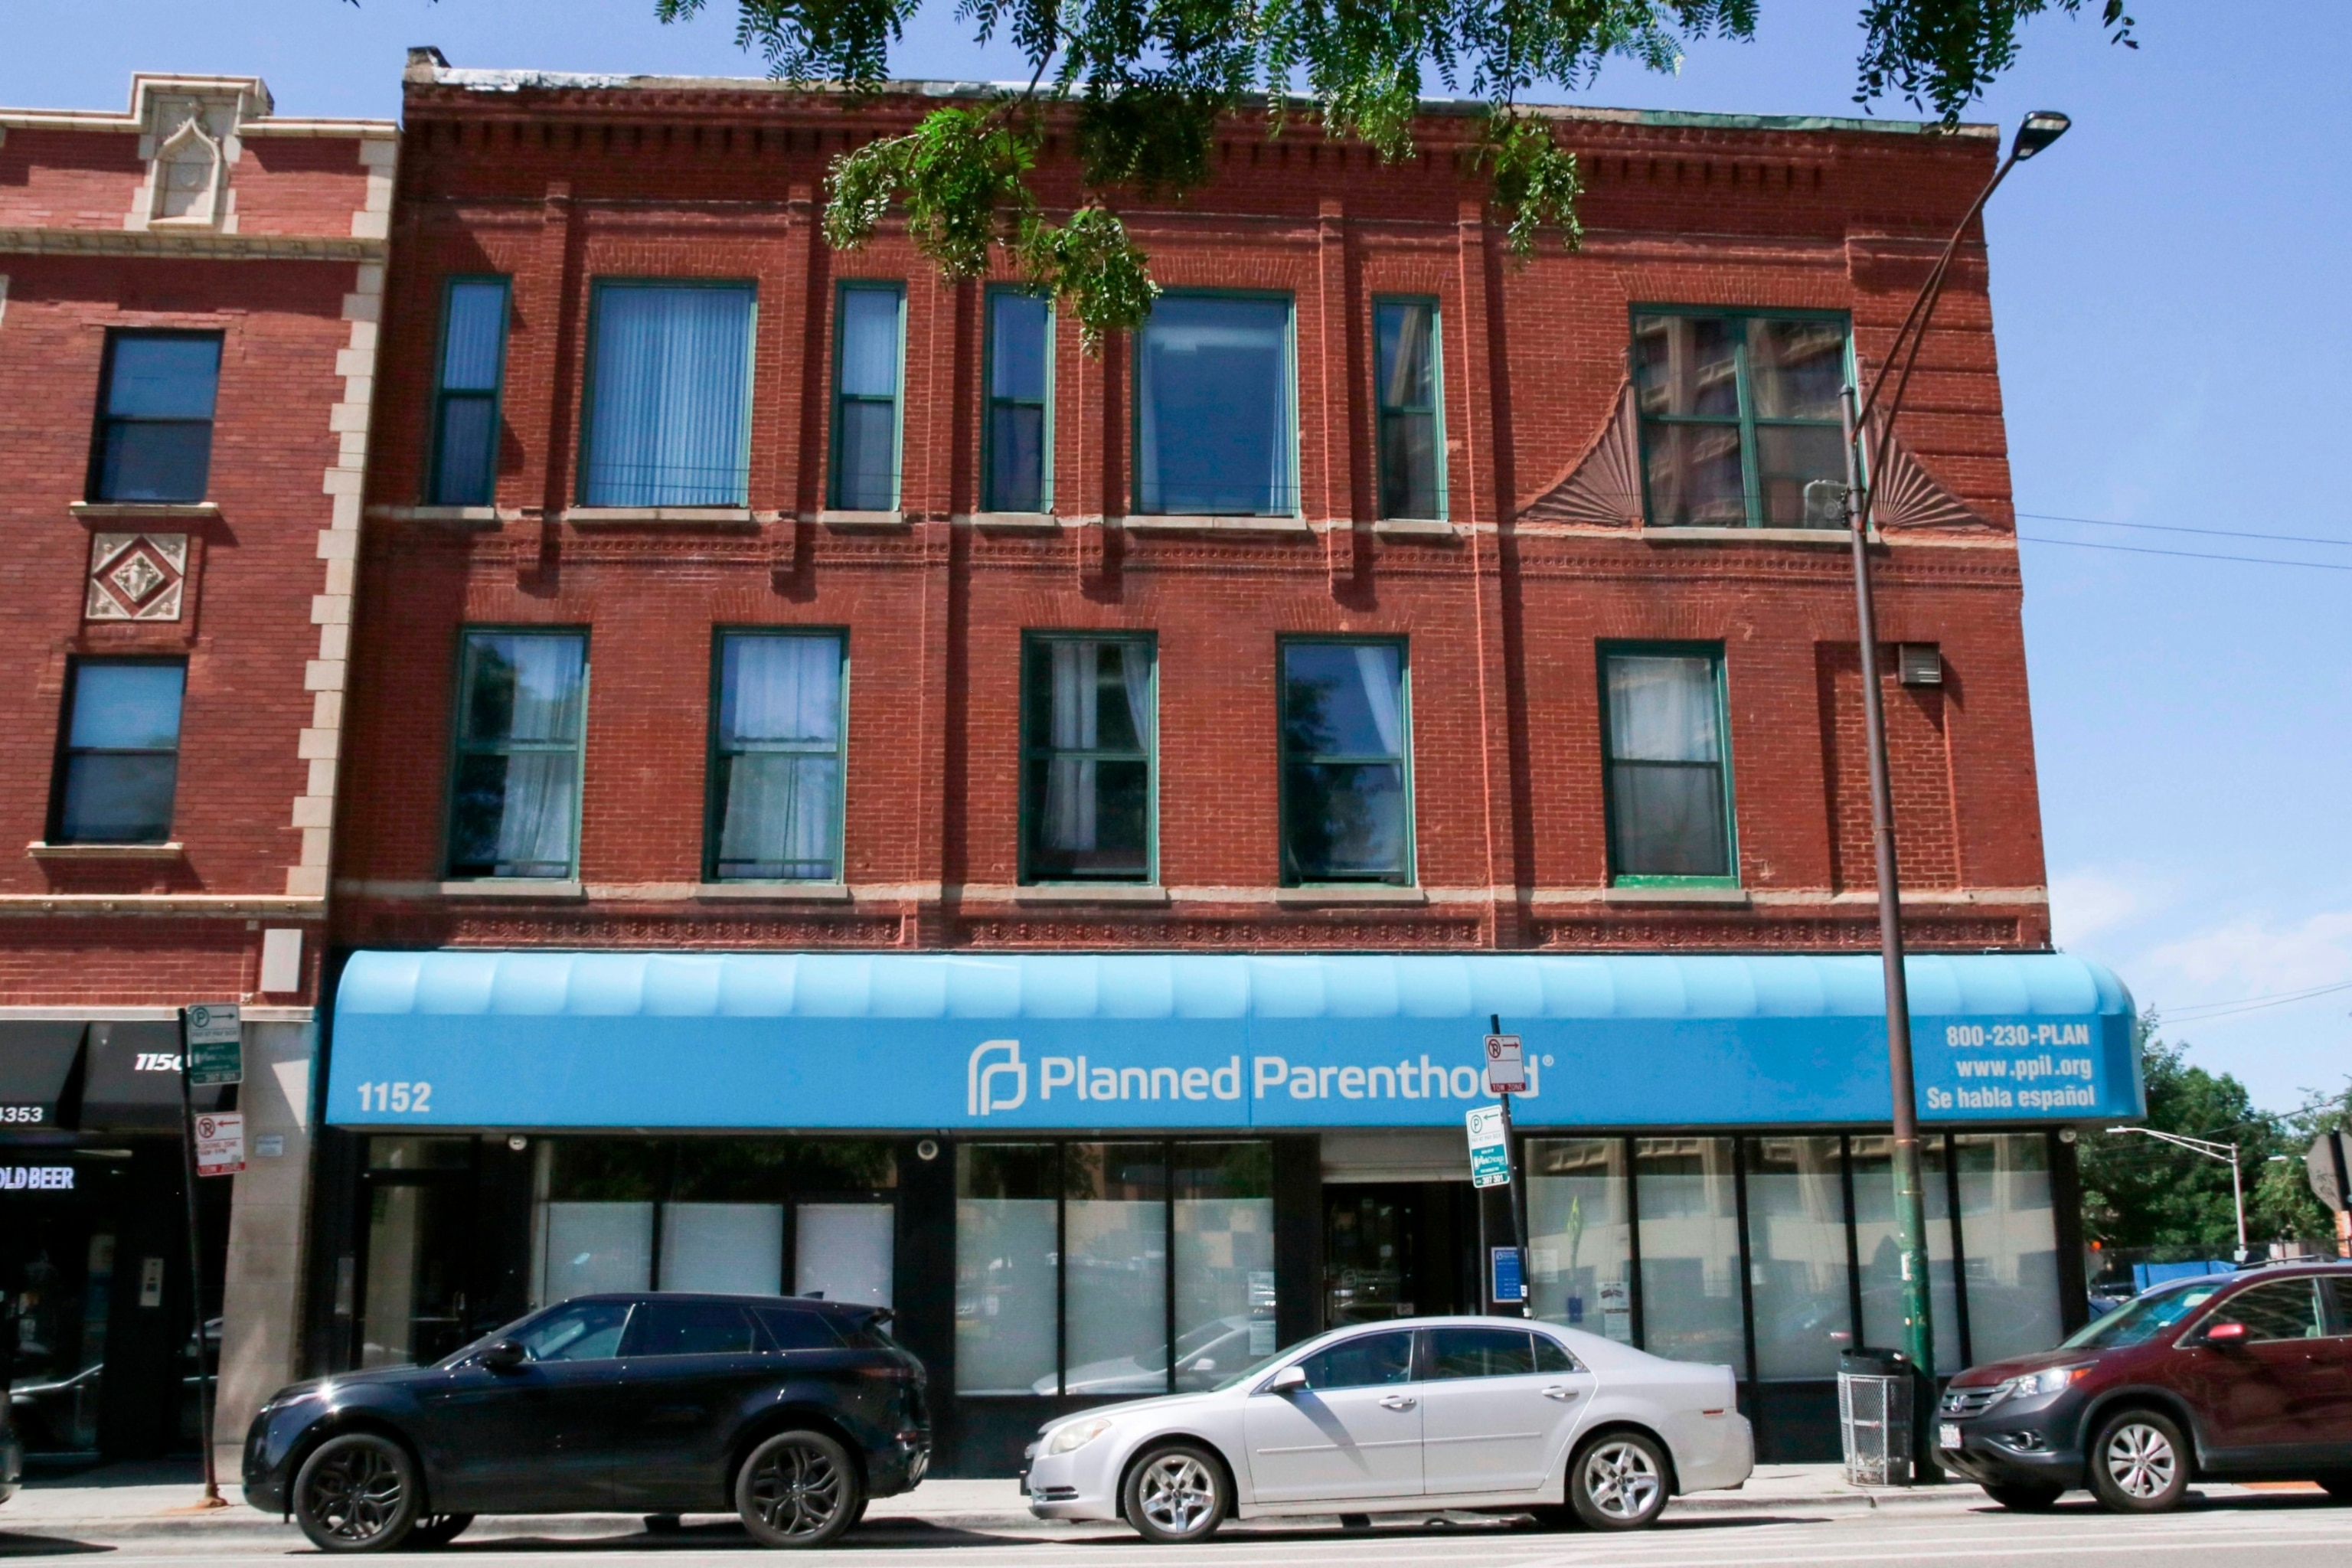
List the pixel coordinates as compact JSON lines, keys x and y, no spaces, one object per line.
{"x":505,"y":1355}
{"x":1290,"y":1380}
{"x":1206,"y":1363}
{"x":2225,"y":1333}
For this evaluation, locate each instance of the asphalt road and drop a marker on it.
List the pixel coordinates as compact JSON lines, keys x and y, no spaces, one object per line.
{"x":2255,"y":1532}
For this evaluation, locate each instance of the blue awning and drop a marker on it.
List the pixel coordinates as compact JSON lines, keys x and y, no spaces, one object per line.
{"x":954,"y":1040}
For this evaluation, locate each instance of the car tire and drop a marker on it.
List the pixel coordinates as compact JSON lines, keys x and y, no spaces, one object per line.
{"x":437,"y":1531}
{"x":1176,"y":1492}
{"x":1618,"y":1481}
{"x":2025,"y":1497}
{"x":357,"y":1492}
{"x":2139,"y":1463}
{"x":798,"y":1488}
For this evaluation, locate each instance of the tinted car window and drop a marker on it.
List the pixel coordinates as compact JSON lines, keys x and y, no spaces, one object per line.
{"x":1361,"y":1363}
{"x":1481,"y":1353}
{"x":2146,"y":1318}
{"x":693,"y":1327}
{"x":586,"y":1331}
{"x":1552,"y":1356}
{"x":2339,"y":1291}
{"x":794,"y":1329}
{"x":2283,"y":1309}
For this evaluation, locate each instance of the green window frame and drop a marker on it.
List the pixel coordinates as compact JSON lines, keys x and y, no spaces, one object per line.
{"x":1062,"y":781}
{"x":1637,"y":786}
{"x":1155,"y":494}
{"x":477,"y":749}
{"x":477,"y":393}
{"x":1778,"y":428}
{"x":675,"y":427}
{"x":851,"y":425}
{"x":1410,"y":421}
{"x":804,"y":754}
{"x":1312,"y":766}
{"x":1007,"y":408}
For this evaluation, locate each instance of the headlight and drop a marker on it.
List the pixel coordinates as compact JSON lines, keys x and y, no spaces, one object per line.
{"x":2032,"y":1385}
{"x":1076,"y":1435}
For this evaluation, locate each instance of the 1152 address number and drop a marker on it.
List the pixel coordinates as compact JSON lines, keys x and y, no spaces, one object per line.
{"x":399,"y":1099}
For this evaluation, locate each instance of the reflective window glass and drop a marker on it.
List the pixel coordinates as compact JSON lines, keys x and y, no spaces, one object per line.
{"x":1224,"y":1260}
{"x":1796,"y":1240}
{"x":2009,"y":1236}
{"x":1365,"y":1361}
{"x":1347,"y":812}
{"x":1213,"y":397}
{"x":156,"y":424}
{"x":1481,"y":1353}
{"x":2282,"y":1309}
{"x":1739,"y":414}
{"x":1669,"y":780}
{"x":1412,"y":444}
{"x":867,"y":325}
{"x":692,"y":1328}
{"x":1017,"y":463}
{"x":1689,"y":1203}
{"x":1882,"y":1256}
{"x":585,"y":1330}
{"x":792,"y":1329}
{"x":668,"y":420}
{"x":466,"y":417}
{"x":514,"y":803}
{"x":1007,"y":1261}
{"x":1086,"y":758}
{"x":120,"y":767}
{"x":1115,"y":1225}
{"x":1581,"y":1235}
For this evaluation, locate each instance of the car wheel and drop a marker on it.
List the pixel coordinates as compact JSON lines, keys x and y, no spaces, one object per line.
{"x":2139,"y":1464}
{"x":2025,"y":1497}
{"x":1618,"y":1481}
{"x":438,"y":1531}
{"x":1176,"y":1494}
{"x":798,"y":1488}
{"x":357,"y":1493}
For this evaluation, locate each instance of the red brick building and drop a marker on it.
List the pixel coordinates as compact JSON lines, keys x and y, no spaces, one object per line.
{"x":1384,"y":596}
{"x":188,"y":301}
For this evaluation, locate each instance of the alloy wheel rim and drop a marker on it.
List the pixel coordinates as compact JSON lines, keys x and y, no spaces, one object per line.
{"x":1178,"y":1495}
{"x":797,"y":1491}
{"x":1622,"y":1480}
{"x":2140,"y":1461}
{"x":357,"y":1496}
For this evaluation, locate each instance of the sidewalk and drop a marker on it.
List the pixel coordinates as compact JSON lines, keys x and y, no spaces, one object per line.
{"x":148,"y":1501}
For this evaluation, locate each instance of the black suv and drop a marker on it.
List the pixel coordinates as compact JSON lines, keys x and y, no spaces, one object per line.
{"x":791,"y":1411}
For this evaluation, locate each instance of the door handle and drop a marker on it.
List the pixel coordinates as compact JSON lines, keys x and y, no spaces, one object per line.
{"x":1558,"y":1391}
{"x":1399,"y":1401}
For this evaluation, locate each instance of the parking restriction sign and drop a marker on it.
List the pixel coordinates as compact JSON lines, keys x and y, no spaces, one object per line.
{"x":1506,"y":1064}
{"x":220,"y":1142}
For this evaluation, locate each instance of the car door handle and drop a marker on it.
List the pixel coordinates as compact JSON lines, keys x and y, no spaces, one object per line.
{"x":1399,"y":1401}
{"x":1560,"y":1391}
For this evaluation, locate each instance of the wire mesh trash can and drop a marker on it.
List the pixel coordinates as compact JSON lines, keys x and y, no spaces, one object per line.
{"x":1875,"y":1389}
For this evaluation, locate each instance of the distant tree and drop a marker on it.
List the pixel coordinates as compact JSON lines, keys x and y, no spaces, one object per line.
{"x":1145,"y":82}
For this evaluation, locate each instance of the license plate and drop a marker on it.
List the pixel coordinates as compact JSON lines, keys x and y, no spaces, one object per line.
{"x":1948,"y":1436}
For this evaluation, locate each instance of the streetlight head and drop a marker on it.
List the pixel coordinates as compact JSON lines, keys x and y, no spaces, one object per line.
{"x":2038,"y":130}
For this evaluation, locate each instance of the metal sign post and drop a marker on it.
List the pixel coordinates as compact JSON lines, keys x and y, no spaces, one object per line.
{"x":1506,"y":1075}
{"x":212,"y":1034}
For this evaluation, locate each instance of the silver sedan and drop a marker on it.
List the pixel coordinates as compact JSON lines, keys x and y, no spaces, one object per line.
{"x":1424,"y":1414}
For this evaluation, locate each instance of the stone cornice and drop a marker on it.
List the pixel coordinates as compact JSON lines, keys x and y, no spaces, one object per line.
{"x":210,"y":246}
{"x":176,"y":906}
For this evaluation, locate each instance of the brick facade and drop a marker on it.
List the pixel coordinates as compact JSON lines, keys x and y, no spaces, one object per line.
{"x":558,"y":181}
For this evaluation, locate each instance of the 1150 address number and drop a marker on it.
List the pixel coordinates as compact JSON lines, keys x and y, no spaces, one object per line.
{"x":399,"y":1099}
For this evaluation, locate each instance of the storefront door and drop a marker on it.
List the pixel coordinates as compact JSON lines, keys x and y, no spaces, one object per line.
{"x":420,"y":1207}
{"x":1398,"y":1249}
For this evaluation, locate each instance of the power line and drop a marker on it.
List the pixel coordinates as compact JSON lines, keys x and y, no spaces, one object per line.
{"x":2184,"y":554}
{"x":2179,"y":527}
{"x":2204,"y":1010}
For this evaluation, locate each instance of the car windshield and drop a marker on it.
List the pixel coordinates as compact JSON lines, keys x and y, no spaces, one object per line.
{"x":2141,"y":1319}
{"x":572,"y":1331}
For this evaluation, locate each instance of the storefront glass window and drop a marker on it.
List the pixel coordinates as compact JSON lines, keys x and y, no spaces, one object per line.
{"x":596,"y":1229}
{"x":1007,"y":1274}
{"x":1580,"y":1240}
{"x":420,"y":1153}
{"x":737,"y":1249}
{"x":1689,"y":1201}
{"x":414,"y":1304}
{"x":1115,"y":1222}
{"x":1882,"y":1265}
{"x":844,"y":1252}
{"x":1224,"y":1260}
{"x":1796,"y":1241}
{"x":2009,"y":1236}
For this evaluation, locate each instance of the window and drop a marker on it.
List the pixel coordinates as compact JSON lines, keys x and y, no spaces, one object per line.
{"x":692,"y":1328}
{"x":1007,"y":1267}
{"x":1215,"y":430}
{"x":1346,"y":807}
{"x":465,"y":399}
{"x":590,"y":1331}
{"x":1796,"y":1241}
{"x":121,"y":753}
{"x":514,"y":799}
{"x":2286,"y":1310}
{"x":2008,"y":1237}
{"x":776,"y":757}
{"x":1366,"y":1361}
{"x":1017,"y":458}
{"x":1878,"y":1247}
{"x":1087,"y":751}
{"x":797,"y":1328}
{"x":1669,"y":788}
{"x":1689,"y":1215}
{"x":1224,"y":1260}
{"x":155,"y":419}
{"x":865,"y":361}
{"x":1581,"y":1235}
{"x":1739,"y":412}
{"x":1481,"y":1353}
{"x":670,"y":398}
{"x":1412,"y":429}
{"x":1115,"y":1268}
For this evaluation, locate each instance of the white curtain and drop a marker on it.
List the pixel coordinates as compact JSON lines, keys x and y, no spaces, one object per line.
{"x":1070,"y":795}
{"x":539,"y":806}
{"x":1662,"y":709}
{"x":1376,"y":668}
{"x":782,"y":806}
{"x":668,"y":412}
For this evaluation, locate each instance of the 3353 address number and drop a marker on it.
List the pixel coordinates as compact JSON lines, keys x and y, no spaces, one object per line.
{"x":399,"y":1099}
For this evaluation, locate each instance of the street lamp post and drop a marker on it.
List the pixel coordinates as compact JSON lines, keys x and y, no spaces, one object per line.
{"x":2212,"y":1151}
{"x":2038,"y":130}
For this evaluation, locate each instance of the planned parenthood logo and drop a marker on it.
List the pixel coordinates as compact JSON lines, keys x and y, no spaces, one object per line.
{"x":996,"y":1078}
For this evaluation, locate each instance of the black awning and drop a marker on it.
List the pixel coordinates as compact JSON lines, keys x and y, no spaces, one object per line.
{"x":36,"y":1073}
{"x":133,"y":1084}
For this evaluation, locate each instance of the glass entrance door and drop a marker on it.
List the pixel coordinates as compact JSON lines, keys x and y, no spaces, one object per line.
{"x":1398,"y":1249}
{"x":420,"y":1215}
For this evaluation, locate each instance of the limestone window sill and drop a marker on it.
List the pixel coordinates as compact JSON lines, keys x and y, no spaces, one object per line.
{"x":592,"y":516}
{"x":1091,"y":893}
{"x":1413,"y":528}
{"x":1173,"y":523}
{"x":1736,"y":898}
{"x":460,"y":516}
{"x":550,"y":887}
{"x":1369,"y":893}
{"x":1015,"y":522}
{"x":42,"y":851}
{"x":775,"y":892}
{"x":1829,"y":538}
{"x":131,"y":511}
{"x":835,"y":518}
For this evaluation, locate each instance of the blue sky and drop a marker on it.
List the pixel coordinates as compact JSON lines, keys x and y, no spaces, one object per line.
{"x":2168,"y":294}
